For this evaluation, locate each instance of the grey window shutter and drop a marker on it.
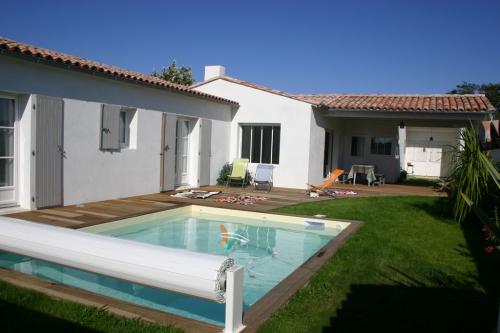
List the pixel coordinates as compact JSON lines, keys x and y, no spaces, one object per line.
{"x":49,"y":155}
{"x":110,"y":127}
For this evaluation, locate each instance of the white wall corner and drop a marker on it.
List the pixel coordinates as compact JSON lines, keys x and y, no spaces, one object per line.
{"x":26,"y":137}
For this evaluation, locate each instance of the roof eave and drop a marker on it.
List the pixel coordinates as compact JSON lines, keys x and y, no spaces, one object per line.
{"x":269,"y":91}
{"x":199,"y":84}
{"x":364,"y":113}
{"x":103,"y":74}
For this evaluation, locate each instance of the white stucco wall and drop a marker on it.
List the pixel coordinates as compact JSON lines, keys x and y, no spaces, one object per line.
{"x":221,"y":141}
{"x":194,"y":144}
{"x":316,"y":149}
{"x":25,"y":170}
{"x":260,"y":107}
{"x":91,"y":174}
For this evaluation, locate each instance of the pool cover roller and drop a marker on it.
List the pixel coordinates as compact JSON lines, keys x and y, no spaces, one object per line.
{"x":182,"y":271}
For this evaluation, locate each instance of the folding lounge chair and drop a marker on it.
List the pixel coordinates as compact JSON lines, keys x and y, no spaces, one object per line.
{"x":238,"y":172}
{"x":330,"y":182}
{"x":263,"y":177}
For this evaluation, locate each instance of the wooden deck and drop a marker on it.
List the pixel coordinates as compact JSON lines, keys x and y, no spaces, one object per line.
{"x":78,"y":216}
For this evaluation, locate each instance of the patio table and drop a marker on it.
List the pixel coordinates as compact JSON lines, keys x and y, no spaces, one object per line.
{"x":368,"y":170}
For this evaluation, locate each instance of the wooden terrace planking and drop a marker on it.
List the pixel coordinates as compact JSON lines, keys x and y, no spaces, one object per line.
{"x":78,"y":216}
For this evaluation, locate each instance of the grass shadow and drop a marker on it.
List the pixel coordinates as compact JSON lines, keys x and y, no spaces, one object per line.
{"x":440,"y":208}
{"x":16,"y":318}
{"x":399,"y":308}
{"x":413,"y":306}
{"x":425,"y":182}
{"x":488,"y":265}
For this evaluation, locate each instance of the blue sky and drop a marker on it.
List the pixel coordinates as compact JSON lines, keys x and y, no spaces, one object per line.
{"x":300,"y":47}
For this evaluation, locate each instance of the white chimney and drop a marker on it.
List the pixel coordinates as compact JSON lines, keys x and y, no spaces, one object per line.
{"x":214,"y":71}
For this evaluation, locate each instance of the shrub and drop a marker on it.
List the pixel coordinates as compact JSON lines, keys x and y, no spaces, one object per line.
{"x":402,"y":176}
{"x":225,"y":171}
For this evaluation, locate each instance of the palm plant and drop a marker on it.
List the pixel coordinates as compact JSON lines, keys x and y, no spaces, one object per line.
{"x":469,"y":173}
{"x":472,"y":174}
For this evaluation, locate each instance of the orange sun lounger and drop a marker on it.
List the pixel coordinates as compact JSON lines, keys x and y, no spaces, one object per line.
{"x":330,"y":182}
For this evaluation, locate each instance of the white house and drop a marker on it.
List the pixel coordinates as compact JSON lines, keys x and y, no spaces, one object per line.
{"x":326,"y":131}
{"x":74,"y":130}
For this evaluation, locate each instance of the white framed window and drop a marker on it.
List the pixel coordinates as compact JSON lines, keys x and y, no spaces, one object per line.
{"x":381,"y":146}
{"x":8,"y":150}
{"x":261,"y":143}
{"x":116,"y":128}
{"x":124,"y":128}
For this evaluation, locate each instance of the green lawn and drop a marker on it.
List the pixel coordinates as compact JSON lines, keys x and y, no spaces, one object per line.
{"x":23,"y":310}
{"x":408,"y":269}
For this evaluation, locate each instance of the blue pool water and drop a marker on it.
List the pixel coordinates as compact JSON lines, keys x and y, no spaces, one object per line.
{"x":268,"y":251}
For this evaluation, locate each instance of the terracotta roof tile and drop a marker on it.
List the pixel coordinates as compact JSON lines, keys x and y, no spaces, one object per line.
{"x":422,"y":103}
{"x":382,"y":102}
{"x":22,"y":49}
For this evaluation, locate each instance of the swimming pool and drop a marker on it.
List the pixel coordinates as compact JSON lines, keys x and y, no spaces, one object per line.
{"x":269,"y":246}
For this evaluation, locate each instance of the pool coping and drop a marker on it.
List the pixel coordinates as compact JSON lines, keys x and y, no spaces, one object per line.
{"x":253,"y":317}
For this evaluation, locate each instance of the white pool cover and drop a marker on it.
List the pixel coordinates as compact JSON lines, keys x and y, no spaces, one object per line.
{"x":197,"y":274}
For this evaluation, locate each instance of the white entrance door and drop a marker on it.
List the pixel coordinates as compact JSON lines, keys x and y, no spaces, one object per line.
{"x":7,"y":151}
{"x":182,"y":152}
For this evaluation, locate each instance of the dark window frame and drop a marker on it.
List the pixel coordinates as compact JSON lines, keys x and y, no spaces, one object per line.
{"x":267,"y":149}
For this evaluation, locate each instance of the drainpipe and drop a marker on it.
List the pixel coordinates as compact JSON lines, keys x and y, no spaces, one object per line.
{"x":402,"y":145}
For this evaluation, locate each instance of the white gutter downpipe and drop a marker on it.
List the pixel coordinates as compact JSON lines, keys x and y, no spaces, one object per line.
{"x":402,"y":145}
{"x":206,"y":276}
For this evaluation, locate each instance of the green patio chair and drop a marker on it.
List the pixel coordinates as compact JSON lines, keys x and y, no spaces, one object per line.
{"x":238,"y":171}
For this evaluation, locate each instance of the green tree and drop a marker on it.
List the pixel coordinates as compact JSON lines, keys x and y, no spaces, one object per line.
{"x":180,"y":75}
{"x":491,"y":90}
{"x":466,"y":88}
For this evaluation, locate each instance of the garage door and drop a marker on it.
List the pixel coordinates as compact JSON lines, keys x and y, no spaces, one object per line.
{"x":426,"y":157}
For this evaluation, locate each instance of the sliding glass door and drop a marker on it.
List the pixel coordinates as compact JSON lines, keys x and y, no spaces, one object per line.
{"x":7,"y":151}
